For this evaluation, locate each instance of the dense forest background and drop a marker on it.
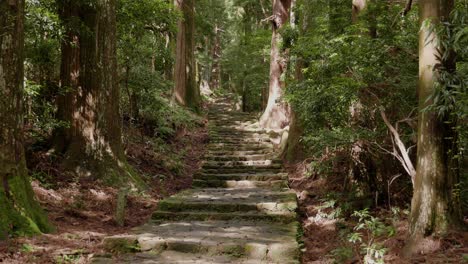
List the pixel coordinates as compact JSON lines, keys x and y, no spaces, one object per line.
{"x":115,"y":94}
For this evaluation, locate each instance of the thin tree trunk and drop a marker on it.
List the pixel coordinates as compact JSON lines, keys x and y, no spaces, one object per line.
{"x":431,"y":212}
{"x":293,"y":150}
{"x":216,"y":56}
{"x":18,"y":209}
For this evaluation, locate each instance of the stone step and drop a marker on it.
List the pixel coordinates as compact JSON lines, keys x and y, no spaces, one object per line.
{"x":223,"y":153}
{"x":241,"y":167}
{"x":240,"y":184}
{"x":246,"y":147}
{"x":242,"y":176}
{"x":219,"y":216}
{"x":238,"y":143}
{"x":239,"y":140}
{"x":232,"y":200}
{"x":238,"y":171}
{"x":236,"y":163}
{"x":175,"y":257}
{"x":237,"y":241}
{"x":221,"y":157}
{"x":218,"y":130}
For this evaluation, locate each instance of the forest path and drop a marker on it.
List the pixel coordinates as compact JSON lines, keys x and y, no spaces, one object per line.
{"x":240,"y":210}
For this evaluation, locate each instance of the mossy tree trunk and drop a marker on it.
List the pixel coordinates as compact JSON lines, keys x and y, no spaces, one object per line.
{"x":432,"y":211}
{"x":93,"y":145}
{"x":19,"y":212}
{"x":186,"y":90}
{"x":276,"y":114}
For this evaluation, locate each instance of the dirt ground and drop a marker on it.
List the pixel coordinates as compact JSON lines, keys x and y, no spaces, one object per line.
{"x":322,"y":236}
{"x":83,"y":212}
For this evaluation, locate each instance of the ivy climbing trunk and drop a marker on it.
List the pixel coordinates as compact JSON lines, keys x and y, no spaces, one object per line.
{"x":186,"y":90}
{"x":19,"y":212}
{"x":276,"y":114}
{"x":432,"y":211}
{"x":91,"y":103}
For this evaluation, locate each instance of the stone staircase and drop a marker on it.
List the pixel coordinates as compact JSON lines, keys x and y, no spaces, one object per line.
{"x":240,"y":210}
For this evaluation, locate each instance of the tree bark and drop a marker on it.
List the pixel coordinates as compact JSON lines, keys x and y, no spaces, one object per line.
{"x":18,"y":209}
{"x":95,"y":140}
{"x":69,"y":73}
{"x":276,"y":115}
{"x":293,"y":150}
{"x":186,"y":91}
{"x":215,"y":81}
{"x":431,"y":212}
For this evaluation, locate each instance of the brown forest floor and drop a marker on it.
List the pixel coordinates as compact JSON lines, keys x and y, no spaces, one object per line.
{"x":82,"y":212}
{"x":322,"y":235}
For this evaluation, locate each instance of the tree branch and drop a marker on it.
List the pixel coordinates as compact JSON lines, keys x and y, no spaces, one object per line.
{"x":408,"y":7}
{"x":403,"y":155}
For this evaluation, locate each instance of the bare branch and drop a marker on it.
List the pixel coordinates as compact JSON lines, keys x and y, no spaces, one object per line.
{"x":408,"y":7}
{"x":268,"y":19}
{"x":403,"y":156}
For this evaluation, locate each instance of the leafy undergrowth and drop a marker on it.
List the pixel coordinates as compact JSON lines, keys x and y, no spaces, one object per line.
{"x":83,"y":210}
{"x":341,"y":229}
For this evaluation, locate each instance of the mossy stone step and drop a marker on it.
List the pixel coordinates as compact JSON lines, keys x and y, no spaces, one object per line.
{"x":175,"y":257}
{"x":238,"y":157}
{"x":227,"y":132}
{"x":242,"y":148}
{"x":266,"y":176}
{"x":239,"y":140}
{"x":240,"y":184}
{"x":231,"y":200}
{"x":238,"y":240}
{"x":240,"y":170}
{"x":235,"y":145}
{"x":234,"y":163}
{"x":223,"y":153}
{"x":218,"y":216}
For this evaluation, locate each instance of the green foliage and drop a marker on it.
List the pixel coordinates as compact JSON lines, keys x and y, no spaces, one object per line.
{"x":342,"y":254}
{"x":375,"y":231}
{"x":247,"y":63}
{"x":348,"y":74}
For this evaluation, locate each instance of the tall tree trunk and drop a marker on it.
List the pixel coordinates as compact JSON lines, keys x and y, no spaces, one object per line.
{"x":69,"y":73}
{"x":186,"y":91}
{"x":18,"y":209}
{"x":95,"y":145}
{"x":216,"y":67}
{"x":294,"y":150}
{"x":206,"y":70}
{"x":432,"y":212}
{"x":276,"y":114}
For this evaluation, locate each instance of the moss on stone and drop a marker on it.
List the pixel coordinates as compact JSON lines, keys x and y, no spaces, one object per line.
{"x":121,"y":244}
